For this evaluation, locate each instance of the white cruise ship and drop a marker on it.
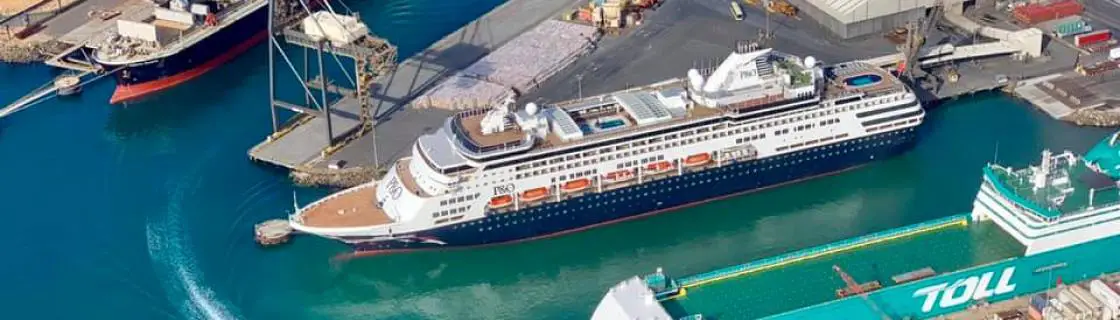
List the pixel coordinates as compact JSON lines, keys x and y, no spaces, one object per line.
{"x":759,"y":119}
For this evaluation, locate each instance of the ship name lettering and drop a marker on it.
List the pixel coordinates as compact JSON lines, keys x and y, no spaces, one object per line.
{"x":964,"y":290}
{"x":503,"y":189}
{"x":394,"y":188}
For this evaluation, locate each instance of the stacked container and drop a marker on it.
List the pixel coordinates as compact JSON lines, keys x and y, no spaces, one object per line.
{"x":1036,"y":13}
{"x":1107,"y":294}
{"x":1038,"y":304}
{"x":1087,"y":39}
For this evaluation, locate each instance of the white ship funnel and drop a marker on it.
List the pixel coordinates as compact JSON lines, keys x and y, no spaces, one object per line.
{"x":695,"y":79}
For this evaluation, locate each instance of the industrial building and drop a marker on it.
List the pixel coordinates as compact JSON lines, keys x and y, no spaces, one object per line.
{"x":854,"y":18}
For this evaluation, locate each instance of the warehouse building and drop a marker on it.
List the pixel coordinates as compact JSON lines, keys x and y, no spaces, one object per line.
{"x":854,"y":18}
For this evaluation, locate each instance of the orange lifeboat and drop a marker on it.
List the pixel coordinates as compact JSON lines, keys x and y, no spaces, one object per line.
{"x":576,"y":185}
{"x":697,"y":159}
{"x":501,"y":201}
{"x":619,"y":176}
{"x":659,"y":167}
{"x":534,"y":194}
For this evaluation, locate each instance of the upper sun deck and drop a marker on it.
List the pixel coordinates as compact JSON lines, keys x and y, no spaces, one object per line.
{"x":1063,"y":184}
{"x":744,"y":84}
{"x":854,"y":78}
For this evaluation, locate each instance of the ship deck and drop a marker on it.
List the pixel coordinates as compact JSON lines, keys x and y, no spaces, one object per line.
{"x":356,"y":208}
{"x":812,"y":281}
{"x":1073,"y":190}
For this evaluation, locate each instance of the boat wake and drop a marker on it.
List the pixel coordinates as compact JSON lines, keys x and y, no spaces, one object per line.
{"x":173,"y":260}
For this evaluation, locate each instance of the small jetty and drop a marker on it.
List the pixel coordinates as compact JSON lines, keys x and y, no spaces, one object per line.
{"x":273,"y":232}
{"x":863,"y":288}
{"x":914,"y":275}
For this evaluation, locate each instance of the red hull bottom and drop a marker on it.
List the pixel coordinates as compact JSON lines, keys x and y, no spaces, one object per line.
{"x":125,"y":93}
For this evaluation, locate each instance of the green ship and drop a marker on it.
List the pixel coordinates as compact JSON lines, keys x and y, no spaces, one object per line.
{"x":1030,"y":230}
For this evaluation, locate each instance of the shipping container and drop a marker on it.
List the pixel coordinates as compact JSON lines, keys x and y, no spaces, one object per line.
{"x":1086,"y":39}
{"x":1114,"y":54}
{"x":1034,"y":314}
{"x":1084,"y":29}
{"x":1093,"y":306}
{"x":1103,"y":291}
{"x":1037,"y":13}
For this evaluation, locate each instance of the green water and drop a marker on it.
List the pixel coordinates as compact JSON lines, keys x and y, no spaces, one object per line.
{"x":813,"y":281}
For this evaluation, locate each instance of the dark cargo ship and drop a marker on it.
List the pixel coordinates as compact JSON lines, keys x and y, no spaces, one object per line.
{"x":179,"y":41}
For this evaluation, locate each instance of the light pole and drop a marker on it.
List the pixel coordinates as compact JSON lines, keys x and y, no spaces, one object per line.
{"x":579,"y":84}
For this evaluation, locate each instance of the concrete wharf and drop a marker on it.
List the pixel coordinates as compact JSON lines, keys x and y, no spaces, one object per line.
{"x":303,"y":145}
{"x":681,"y":34}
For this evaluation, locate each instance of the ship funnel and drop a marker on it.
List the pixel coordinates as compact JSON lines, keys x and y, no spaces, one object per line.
{"x":1041,"y":175}
{"x":695,"y":79}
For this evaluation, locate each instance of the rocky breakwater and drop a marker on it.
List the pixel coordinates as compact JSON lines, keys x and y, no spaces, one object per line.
{"x":15,"y":51}
{"x":339,"y":178}
{"x":1107,"y":117}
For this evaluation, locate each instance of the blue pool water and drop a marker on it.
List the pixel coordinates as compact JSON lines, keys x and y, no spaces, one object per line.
{"x":863,"y":80}
{"x":609,"y":124}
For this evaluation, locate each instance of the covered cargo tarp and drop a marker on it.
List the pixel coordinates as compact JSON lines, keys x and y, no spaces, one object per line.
{"x":339,"y":29}
{"x":460,"y":92}
{"x":529,"y":59}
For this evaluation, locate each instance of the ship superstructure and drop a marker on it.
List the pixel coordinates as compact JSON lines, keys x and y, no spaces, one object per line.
{"x":505,"y":174}
{"x":178,"y":41}
{"x":1064,"y":200}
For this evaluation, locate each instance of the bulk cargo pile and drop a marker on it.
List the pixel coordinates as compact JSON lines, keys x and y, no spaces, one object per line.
{"x":520,"y":65}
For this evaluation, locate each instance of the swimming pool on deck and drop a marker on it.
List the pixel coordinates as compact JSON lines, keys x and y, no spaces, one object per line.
{"x":806,"y":277}
{"x":603,"y":124}
{"x":863,"y":80}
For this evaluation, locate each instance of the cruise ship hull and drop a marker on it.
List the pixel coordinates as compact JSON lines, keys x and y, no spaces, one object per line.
{"x":139,"y":79}
{"x":672,"y":192}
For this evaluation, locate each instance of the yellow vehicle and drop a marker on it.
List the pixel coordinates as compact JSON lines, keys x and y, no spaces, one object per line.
{"x":736,"y":11}
{"x":752,"y":2}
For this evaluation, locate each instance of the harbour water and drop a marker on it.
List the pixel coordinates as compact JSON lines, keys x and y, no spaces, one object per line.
{"x":146,"y":211}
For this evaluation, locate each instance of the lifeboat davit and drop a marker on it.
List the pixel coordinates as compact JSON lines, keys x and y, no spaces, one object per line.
{"x":659,"y":167}
{"x":576,"y":185}
{"x":619,"y":176}
{"x":501,"y":201}
{"x":697,"y":159}
{"x":534,"y":194}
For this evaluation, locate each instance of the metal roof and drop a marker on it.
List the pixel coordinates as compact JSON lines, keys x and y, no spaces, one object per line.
{"x":848,"y":11}
{"x":643,"y":107}
{"x":563,"y":124}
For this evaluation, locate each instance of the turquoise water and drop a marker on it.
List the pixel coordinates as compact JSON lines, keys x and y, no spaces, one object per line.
{"x":146,"y":211}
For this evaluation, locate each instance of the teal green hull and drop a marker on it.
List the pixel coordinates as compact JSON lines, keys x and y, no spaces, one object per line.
{"x":1029,"y":275}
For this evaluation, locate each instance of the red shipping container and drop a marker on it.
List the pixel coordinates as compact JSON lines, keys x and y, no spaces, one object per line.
{"x":1036,"y":13}
{"x":1086,"y":39}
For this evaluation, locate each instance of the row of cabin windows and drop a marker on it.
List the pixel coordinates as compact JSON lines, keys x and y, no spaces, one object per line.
{"x":444,"y":213}
{"x":673,"y":136}
{"x":811,"y":143}
{"x":890,"y":125}
{"x":751,"y":138}
{"x":468,"y":197}
{"x":779,"y":159}
{"x":630,"y":164}
{"x":576,"y":175}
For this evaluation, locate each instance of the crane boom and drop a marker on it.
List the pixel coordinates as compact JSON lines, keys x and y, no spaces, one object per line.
{"x":855,"y":288}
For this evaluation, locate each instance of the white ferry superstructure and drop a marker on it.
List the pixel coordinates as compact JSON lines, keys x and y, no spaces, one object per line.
{"x":759,"y":119}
